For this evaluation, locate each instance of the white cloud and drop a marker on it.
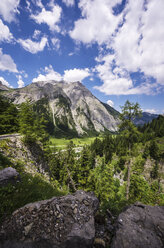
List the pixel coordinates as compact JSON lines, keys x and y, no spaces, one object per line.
{"x":69,"y":3}
{"x":5,"y":34}
{"x":49,"y":17}
{"x":20,"y":82}
{"x":116,"y":80}
{"x":4,"y":82}
{"x":7,"y":63}
{"x":56,"y":43}
{"x":152,"y":111}
{"x":137,"y":44}
{"x":9,"y":9}
{"x":36,"y":34}
{"x":38,"y":3}
{"x":50,"y":74}
{"x":97,"y":23}
{"x":110,"y":103}
{"x":74,"y":75}
{"x":33,"y":46}
{"x":142,"y":50}
{"x":71,"y":54}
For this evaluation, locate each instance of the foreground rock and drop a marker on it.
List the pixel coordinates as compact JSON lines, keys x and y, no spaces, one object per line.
{"x":140,"y":226}
{"x":8,"y":175}
{"x":61,"y":222}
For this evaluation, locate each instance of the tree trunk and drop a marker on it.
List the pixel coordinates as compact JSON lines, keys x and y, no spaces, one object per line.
{"x":70,"y":178}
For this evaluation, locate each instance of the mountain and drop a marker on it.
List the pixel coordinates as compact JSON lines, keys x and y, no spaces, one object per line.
{"x":145,"y":118}
{"x":3,"y":87}
{"x":72,"y":106}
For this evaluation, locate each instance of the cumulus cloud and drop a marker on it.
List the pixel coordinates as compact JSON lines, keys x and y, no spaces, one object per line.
{"x":138,"y":43}
{"x":50,"y":74}
{"x":97,"y":23}
{"x":7,"y":63}
{"x":9,"y":9}
{"x":69,"y":3}
{"x":5,"y":34}
{"x":75,"y":74}
{"x":117,"y":81}
{"x":110,"y":103}
{"x":20,"y":82}
{"x":50,"y":17}
{"x":72,"y":75}
{"x":135,"y":37}
{"x":33,"y":46}
{"x":4,"y":82}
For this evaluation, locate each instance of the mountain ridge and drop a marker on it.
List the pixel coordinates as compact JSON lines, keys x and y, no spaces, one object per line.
{"x":72,"y":106}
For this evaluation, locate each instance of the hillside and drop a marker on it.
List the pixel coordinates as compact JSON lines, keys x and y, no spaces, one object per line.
{"x":145,"y":118}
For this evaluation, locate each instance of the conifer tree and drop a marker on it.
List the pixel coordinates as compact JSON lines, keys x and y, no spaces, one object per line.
{"x":32,"y":126}
{"x":129,"y":132}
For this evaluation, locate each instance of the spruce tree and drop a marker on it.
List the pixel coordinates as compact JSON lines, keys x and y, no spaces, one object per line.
{"x":129,"y":132}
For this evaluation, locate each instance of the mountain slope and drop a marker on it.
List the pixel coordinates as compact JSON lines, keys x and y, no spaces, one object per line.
{"x":3,"y":87}
{"x":72,"y":106}
{"x":145,"y":118}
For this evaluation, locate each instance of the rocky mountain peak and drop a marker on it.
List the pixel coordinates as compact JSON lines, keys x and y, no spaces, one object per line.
{"x":72,"y":106}
{"x":3,"y":87}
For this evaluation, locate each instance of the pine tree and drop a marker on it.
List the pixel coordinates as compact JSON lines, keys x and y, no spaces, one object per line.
{"x":26,"y":122}
{"x":8,"y":116}
{"x":32,"y":126}
{"x":129,"y":132}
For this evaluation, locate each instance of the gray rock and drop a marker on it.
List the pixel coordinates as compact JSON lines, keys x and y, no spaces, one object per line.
{"x":52,"y":223}
{"x":71,"y":105}
{"x":8,"y":175}
{"x":140,"y":226}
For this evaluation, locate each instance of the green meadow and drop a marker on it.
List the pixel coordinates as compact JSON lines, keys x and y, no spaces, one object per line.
{"x":63,"y":142}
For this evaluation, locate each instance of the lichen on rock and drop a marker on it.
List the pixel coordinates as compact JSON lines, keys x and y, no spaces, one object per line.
{"x":61,"y":222}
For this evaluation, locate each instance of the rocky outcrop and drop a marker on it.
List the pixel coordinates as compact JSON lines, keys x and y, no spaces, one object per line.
{"x":3,"y":87}
{"x":58,"y":223}
{"x":9,"y":175}
{"x":140,"y":226}
{"x":71,"y":105}
{"x":31,"y":155}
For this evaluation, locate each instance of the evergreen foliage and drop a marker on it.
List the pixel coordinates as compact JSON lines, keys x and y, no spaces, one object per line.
{"x":153,"y":129}
{"x":8,"y":116}
{"x":112,"y":167}
{"x":32,"y":125}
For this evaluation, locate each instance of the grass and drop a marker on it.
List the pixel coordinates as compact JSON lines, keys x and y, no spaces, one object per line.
{"x":62,"y":143}
{"x":30,"y":189}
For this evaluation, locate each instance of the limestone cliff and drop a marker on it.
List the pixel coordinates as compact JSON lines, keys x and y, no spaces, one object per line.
{"x":72,"y":106}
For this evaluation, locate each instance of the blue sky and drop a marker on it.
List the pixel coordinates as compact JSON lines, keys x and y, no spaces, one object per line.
{"x":114,"y":47}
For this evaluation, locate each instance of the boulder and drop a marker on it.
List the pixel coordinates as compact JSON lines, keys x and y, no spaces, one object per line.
{"x":60,"y":222}
{"x":140,"y":226}
{"x":9,"y":175}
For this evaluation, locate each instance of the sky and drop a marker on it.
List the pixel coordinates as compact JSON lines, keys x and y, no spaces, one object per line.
{"x":114,"y":47}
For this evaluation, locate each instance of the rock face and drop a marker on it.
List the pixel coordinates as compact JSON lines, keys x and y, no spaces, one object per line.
{"x":140,"y":226}
{"x":32,"y":155}
{"x":71,"y":105}
{"x":3,"y":87}
{"x":8,"y":175}
{"x":56,"y":223}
